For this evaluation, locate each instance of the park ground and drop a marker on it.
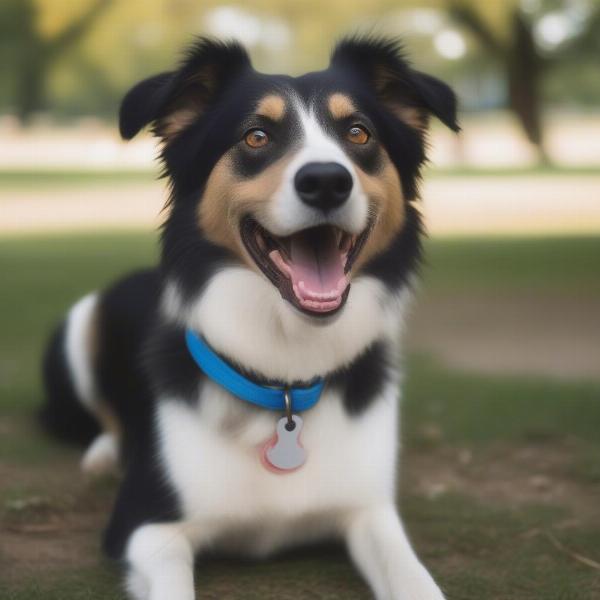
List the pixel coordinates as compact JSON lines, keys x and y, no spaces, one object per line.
{"x":500,"y":476}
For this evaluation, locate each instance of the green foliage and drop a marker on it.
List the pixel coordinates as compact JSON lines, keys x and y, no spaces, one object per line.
{"x":77,"y":59}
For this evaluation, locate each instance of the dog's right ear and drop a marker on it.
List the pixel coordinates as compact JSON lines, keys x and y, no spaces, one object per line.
{"x":174,"y":100}
{"x":143,"y":103}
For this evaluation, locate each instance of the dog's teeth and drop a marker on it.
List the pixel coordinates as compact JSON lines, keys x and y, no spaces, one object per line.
{"x":346,"y":242}
{"x":261,"y":242}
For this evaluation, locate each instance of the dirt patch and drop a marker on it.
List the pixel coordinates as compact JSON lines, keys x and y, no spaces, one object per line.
{"x":532,"y":334}
{"x":50,"y":518}
{"x":506,"y":475}
{"x":57,"y":544}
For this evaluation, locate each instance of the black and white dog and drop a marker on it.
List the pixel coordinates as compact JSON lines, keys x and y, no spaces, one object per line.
{"x":249,"y":384}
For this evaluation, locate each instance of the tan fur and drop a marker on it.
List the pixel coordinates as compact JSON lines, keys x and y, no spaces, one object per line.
{"x":176,"y":122}
{"x":340,"y":106}
{"x":272,"y":107}
{"x":386,"y":204}
{"x":226,"y":200}
{"x":107,"y":418}
{"x":197,"y":90}
{"x":411,"y":115}
{"x":102,"y":411}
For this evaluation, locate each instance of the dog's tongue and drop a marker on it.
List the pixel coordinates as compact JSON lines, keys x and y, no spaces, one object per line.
{"x":316,"y":266}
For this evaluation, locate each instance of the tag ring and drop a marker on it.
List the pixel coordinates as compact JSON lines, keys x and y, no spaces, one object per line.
{"x":287,"y":396}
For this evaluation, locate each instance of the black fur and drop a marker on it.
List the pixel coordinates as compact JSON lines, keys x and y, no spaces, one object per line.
{"x":206,"y":69}
{"x":403,"y":257}
{"x":128,"y":322}
{"x":362,"y":380}
{"x":63,"y":414}
{"x":169,"y":367}
{"x":383,"y":63}
{"x":141,"y":104}
{"x":144,"y":495}
{"x":128,"y":314}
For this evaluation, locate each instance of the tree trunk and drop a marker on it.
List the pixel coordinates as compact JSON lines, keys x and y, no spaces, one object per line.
{"x":38,"y":55}
{"x":524,"y":69}
{"x":31,"y":83}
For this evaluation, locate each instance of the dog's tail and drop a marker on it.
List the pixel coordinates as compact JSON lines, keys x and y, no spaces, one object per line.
{"x":68,"y":377}
{"x":73,"y":410}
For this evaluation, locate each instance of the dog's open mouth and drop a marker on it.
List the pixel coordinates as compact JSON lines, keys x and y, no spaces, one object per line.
{"x":310,"y":267}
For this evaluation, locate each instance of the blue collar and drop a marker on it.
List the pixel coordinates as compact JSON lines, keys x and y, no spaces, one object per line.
{"x":272,"y":398}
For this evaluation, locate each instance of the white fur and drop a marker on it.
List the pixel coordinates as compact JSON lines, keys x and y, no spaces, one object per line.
{"x":162,"y":560}
{"x":77,"y":348}
{"x":242,"y":315}
{"x":379,"y":547}
{"x":220,"y":476}
{"x":288,"y":214}
{"x":102,"y":455}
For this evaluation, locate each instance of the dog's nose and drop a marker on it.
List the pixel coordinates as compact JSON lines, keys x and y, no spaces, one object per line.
{"x":323,"y":185}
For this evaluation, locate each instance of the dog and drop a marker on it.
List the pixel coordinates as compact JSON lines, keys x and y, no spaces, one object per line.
{"x":249,"y":385}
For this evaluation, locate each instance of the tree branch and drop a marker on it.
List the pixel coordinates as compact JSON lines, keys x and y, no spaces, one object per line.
{"x":468,"y":17}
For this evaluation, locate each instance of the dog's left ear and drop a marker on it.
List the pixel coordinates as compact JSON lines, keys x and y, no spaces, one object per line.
{"x":410,"y":95}
{"x":174,"y":100}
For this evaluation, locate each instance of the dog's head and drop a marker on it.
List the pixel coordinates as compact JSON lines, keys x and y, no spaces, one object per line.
{"x":308,"y":180}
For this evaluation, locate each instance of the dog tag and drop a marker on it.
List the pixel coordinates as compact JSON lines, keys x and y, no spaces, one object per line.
{"x":284,"y":452}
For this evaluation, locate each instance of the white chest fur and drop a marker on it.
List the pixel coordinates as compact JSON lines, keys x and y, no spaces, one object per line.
{"x":212,"y":450}
{"x":212,"y":455}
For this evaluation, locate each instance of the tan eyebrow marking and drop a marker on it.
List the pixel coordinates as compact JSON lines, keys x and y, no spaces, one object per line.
{"x":272,"y":107}
{"x":340,"y":106}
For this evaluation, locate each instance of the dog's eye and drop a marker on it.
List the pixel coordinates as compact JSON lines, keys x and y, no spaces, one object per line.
{"x":357,"y":135}
{"x":256,"y":138}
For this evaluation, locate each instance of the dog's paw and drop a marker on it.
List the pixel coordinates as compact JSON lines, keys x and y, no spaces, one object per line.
{"x":102,"y":456}
{"x":416,"y":585}
{"x":137,"y":586}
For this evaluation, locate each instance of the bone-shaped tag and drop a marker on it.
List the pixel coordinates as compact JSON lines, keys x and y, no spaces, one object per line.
{"x":285,"y":452}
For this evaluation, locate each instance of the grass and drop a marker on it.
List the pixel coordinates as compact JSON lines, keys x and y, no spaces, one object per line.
{"x":56,"y":177}
{"x":35,"y":179}
{"x":488,"y":552}
{"x":475,"y":409}
{"x":477,"y":544}
{"x":535,"y":170}
{"x":554,"y":265}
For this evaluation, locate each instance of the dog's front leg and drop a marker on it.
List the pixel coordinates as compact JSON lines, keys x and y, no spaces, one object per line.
{"x":160,"y":559}
{"x":379,"y":547}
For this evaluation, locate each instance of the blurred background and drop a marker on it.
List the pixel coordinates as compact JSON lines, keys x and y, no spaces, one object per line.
{"x":501,"y":470}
